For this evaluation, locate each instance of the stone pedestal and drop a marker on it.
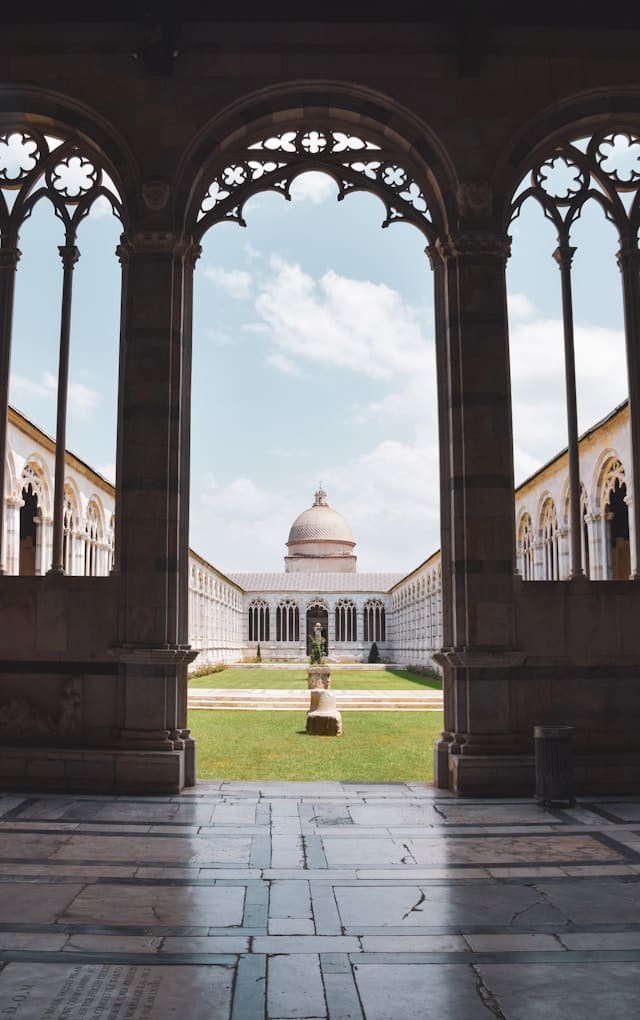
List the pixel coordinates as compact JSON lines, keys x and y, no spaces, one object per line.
{"x":319,"y":676}
{"x":323,"y":719}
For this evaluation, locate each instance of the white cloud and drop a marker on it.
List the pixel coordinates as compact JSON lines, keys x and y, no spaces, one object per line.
{"x":355,"y":324}
{"x":538,"y":385}
{"x":46,"y":388}
{"x":100,"y":208}
{"x":234,"y":282}
{"x":284,"y":364}
{"x":240,"y":525}
{"x":314,"y":187}
{"x":217,"y":336}
{"x":390,"y":495}
{"x":82,"y":399}
{"x":520,"y":307}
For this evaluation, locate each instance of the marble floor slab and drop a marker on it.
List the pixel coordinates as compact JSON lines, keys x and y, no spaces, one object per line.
{"x":319,"y":901}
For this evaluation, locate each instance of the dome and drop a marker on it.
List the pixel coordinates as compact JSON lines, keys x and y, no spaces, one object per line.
{"x":320,"y":523}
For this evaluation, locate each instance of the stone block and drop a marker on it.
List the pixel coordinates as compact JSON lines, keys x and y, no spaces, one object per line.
{"x":323,"y":719}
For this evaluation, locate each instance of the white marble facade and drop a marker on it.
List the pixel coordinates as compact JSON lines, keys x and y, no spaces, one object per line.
{"x":229,"y":616}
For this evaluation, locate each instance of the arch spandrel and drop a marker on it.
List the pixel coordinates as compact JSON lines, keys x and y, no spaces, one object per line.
{"x":412,"y":160}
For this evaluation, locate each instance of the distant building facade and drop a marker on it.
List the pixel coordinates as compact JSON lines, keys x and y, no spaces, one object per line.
{"x":231,"y":615}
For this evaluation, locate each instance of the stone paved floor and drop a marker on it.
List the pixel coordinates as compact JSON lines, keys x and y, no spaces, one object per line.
{"x":243,"y":900}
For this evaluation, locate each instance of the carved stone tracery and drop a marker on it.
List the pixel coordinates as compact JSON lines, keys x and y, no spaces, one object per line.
{"x":353,"y":162}
{"x":20,"y":719}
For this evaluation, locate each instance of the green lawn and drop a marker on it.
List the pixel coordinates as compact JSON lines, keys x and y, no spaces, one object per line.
{"x":240,"y":678}
{"x":374,"y":747}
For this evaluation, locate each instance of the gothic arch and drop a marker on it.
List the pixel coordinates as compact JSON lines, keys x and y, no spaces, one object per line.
{"x":576,"y":116}
{"x":405,"y":144}
{"x":53,"y":112}
{"x":36,"y":473}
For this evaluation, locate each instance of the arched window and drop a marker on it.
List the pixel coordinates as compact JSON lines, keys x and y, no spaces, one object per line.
{"x":615,"y":512}
{"x":258,"y":620}
{"x":346,"y":621}
{"x":92,"y":539}
{"x":526,"y":544}
{"x":590,"y":175}
{"x":550,"y":539}
{"x":65,"y":170}
{"x":375,"y":628}
{"x":32,"y":512}
{"x":287,"y":621}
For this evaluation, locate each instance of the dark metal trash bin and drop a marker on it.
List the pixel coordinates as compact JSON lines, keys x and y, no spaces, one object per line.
{"x":554,"y":766}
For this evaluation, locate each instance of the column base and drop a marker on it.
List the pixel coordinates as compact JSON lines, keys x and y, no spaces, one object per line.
{"x":94,"y":770}
{"x":506,"y":775}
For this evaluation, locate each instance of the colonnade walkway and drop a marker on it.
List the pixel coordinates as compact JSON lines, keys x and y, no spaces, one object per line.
{"x":325,"y":900}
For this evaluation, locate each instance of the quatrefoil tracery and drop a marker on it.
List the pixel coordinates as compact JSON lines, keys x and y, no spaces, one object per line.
{"x":354,"y":163}
{"x":35,"y":166}
{"x":604,"y":168}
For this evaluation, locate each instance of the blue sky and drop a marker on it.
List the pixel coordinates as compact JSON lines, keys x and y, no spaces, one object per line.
{"x":314,"y":360}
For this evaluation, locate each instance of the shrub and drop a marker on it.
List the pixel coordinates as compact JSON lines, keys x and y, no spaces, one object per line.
{"x":374,"y":654}
{"x":427,"y":671}
{"x":217,"y":667}
{"x":258,"y":653}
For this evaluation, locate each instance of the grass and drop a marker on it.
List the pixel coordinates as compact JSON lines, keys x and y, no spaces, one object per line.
{"x":239,"y":678}
{"x":374,"y":747}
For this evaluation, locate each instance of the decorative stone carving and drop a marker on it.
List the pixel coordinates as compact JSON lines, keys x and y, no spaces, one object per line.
{"x":170,"y":242}
{"x":475,"y":242}
{"x":155,"y":194}
{"x":20,"y":718}
{"x":323,"y":719}
{"x":474,"y":199}
{"x":353,"y":161}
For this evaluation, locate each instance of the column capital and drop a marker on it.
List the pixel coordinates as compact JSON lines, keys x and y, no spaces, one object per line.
{"x":9,"y":257}
{"x":474,"y":243}
{"x":628,"y":256}
{"x":563,"y":254}
{"x":69,"y":254}
{"x":158,"y":242}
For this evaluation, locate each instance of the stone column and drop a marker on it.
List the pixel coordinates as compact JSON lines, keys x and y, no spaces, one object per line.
{"x":595,"y":547}
{"x":153,"y":648}
{"x":629,"y":263}
{"x":12,"y":535}
{"x":9,"y":256}
{"x":69,"y":255}
{"x":564,"y":256}
{"x":477,"y":474}
{"x":633,"y":545}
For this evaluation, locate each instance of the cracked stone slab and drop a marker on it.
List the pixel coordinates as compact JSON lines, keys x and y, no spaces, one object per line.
{"x":573,"y":991}
{"x":421,"y":992}
{"x":460,"y":906}
{"x":219,"y":906}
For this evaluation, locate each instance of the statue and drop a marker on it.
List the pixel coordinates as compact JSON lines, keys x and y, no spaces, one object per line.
{"x":317,"y":645}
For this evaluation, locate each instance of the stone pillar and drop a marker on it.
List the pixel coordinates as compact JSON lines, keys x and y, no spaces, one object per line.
{"x":69,"y":255}
{"x":12,"y":535}
{"x":477,"y":474}
{"x":9,"y":256}
{"x":153,"y":648}
{"x":595,"y":546}
{"x":629,"y":263}
{"x":633,"y":545}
